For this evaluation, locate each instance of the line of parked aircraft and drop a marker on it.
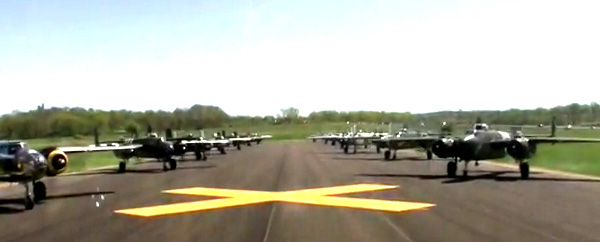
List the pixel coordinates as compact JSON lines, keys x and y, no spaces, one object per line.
{"x":480,"y":143}
{"x":21,"y":164}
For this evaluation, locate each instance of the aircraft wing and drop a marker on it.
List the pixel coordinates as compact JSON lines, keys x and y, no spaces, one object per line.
{"x":546,"y":140}
{"x":364,"y":137}
{"x":562,"y":140}
{"x":93,"y":148}
{"x":407,"y":141}
{"x":205,"y":142}
{"x":240,"y":139}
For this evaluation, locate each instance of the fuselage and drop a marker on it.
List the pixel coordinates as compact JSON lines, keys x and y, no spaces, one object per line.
{"x":152,"y":147}
{"x":21,"y":163}
{"x":478,"y":145}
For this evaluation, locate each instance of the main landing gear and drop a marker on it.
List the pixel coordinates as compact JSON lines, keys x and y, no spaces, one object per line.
{"x":346,"y":148}
{"x":34,"y":193}
{"x":172,"y":164}
{"x":452,"y":167}
{"x":200,"y":155}
{"x":123,"y":166}
{"x":387,"y":155}
{"x":524,"y":169}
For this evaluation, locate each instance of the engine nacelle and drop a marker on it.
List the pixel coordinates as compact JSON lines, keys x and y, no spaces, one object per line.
{"x":520,"y":149}
{"x":57,"y":161}
{"x":444,"y":148}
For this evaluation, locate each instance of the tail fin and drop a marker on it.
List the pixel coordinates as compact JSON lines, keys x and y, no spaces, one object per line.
{"x":553,"y":128}
{"x":96,"y":137}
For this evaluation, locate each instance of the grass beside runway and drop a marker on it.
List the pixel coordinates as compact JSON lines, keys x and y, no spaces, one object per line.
{"x":576,"y":158}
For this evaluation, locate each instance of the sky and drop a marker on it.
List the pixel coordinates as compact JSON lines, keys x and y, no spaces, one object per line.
{"x":257,"y":57}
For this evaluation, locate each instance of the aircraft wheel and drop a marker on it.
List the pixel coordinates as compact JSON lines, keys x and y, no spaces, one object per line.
{"x":465,"y":173}
{"x":172,"y":164}
{"x":524,"y":168}
{"x":222,"y":150}
{"x":314,"y":140}
{"x":354,"y":149}
{"x":122,"y":167}
{"x":204,"y":157}
{"x":258,"y":142}
{"x":238,"y":146}
{"x":387,"y":154}
{"x":28,"y":203}
{"x":378,"y":150}
{"x":451,"y":169}
{"x":366,"y":146}
{"x":198,"y":155}
{"x":429,"y":155}
{"x":346,"y":149}
{"x":39,"y":191}
{"x":249,"y":143}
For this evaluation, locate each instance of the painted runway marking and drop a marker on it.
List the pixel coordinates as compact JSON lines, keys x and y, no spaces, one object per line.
{"x":315,"y":196}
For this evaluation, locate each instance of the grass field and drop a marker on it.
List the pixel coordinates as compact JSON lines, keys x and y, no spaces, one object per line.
{"x":579,"y":158}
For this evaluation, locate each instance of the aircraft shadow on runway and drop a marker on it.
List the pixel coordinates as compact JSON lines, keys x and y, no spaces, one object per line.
{"x":357,"y":158}
{"x":484,"y":175}
{"x":341,"y":152}
{"x":19,"y":201}
{"x":403,"y":158}
{"x":153,"y":170}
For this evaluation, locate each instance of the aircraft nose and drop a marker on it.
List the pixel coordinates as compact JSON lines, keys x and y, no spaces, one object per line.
{"x":22,"y":162}
{"x":467,"y":150}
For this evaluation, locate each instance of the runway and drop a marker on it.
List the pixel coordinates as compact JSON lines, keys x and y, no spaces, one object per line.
{"x":492,"y":205}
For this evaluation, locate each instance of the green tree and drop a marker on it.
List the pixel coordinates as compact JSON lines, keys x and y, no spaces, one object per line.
{"x":132,"y":129}
{"x":574,"y":113}
{"x":290,"y":114}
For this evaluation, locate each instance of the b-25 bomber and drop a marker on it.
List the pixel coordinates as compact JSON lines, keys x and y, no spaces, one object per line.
{"x":483,"y":143}
{"x":20,"y":164}
{"x":406,"y":140}
{"x":158,"y":148}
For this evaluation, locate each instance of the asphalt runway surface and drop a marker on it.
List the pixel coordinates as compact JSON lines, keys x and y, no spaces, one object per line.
{"x":492,"y":205}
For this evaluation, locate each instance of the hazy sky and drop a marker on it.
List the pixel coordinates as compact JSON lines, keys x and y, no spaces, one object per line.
{"x":256,"y":57}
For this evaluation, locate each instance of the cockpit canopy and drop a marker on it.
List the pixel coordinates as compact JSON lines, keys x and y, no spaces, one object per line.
{"x":152,"y":135}
{"x":480,"y":127}
{"x":11,"y":147}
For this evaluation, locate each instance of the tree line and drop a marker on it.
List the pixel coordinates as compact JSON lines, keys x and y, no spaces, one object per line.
{"x":575,"y":114}
{"x":54,"y":122}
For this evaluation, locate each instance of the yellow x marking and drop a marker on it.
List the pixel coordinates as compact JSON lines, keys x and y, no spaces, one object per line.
{"x":316,"y":196}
